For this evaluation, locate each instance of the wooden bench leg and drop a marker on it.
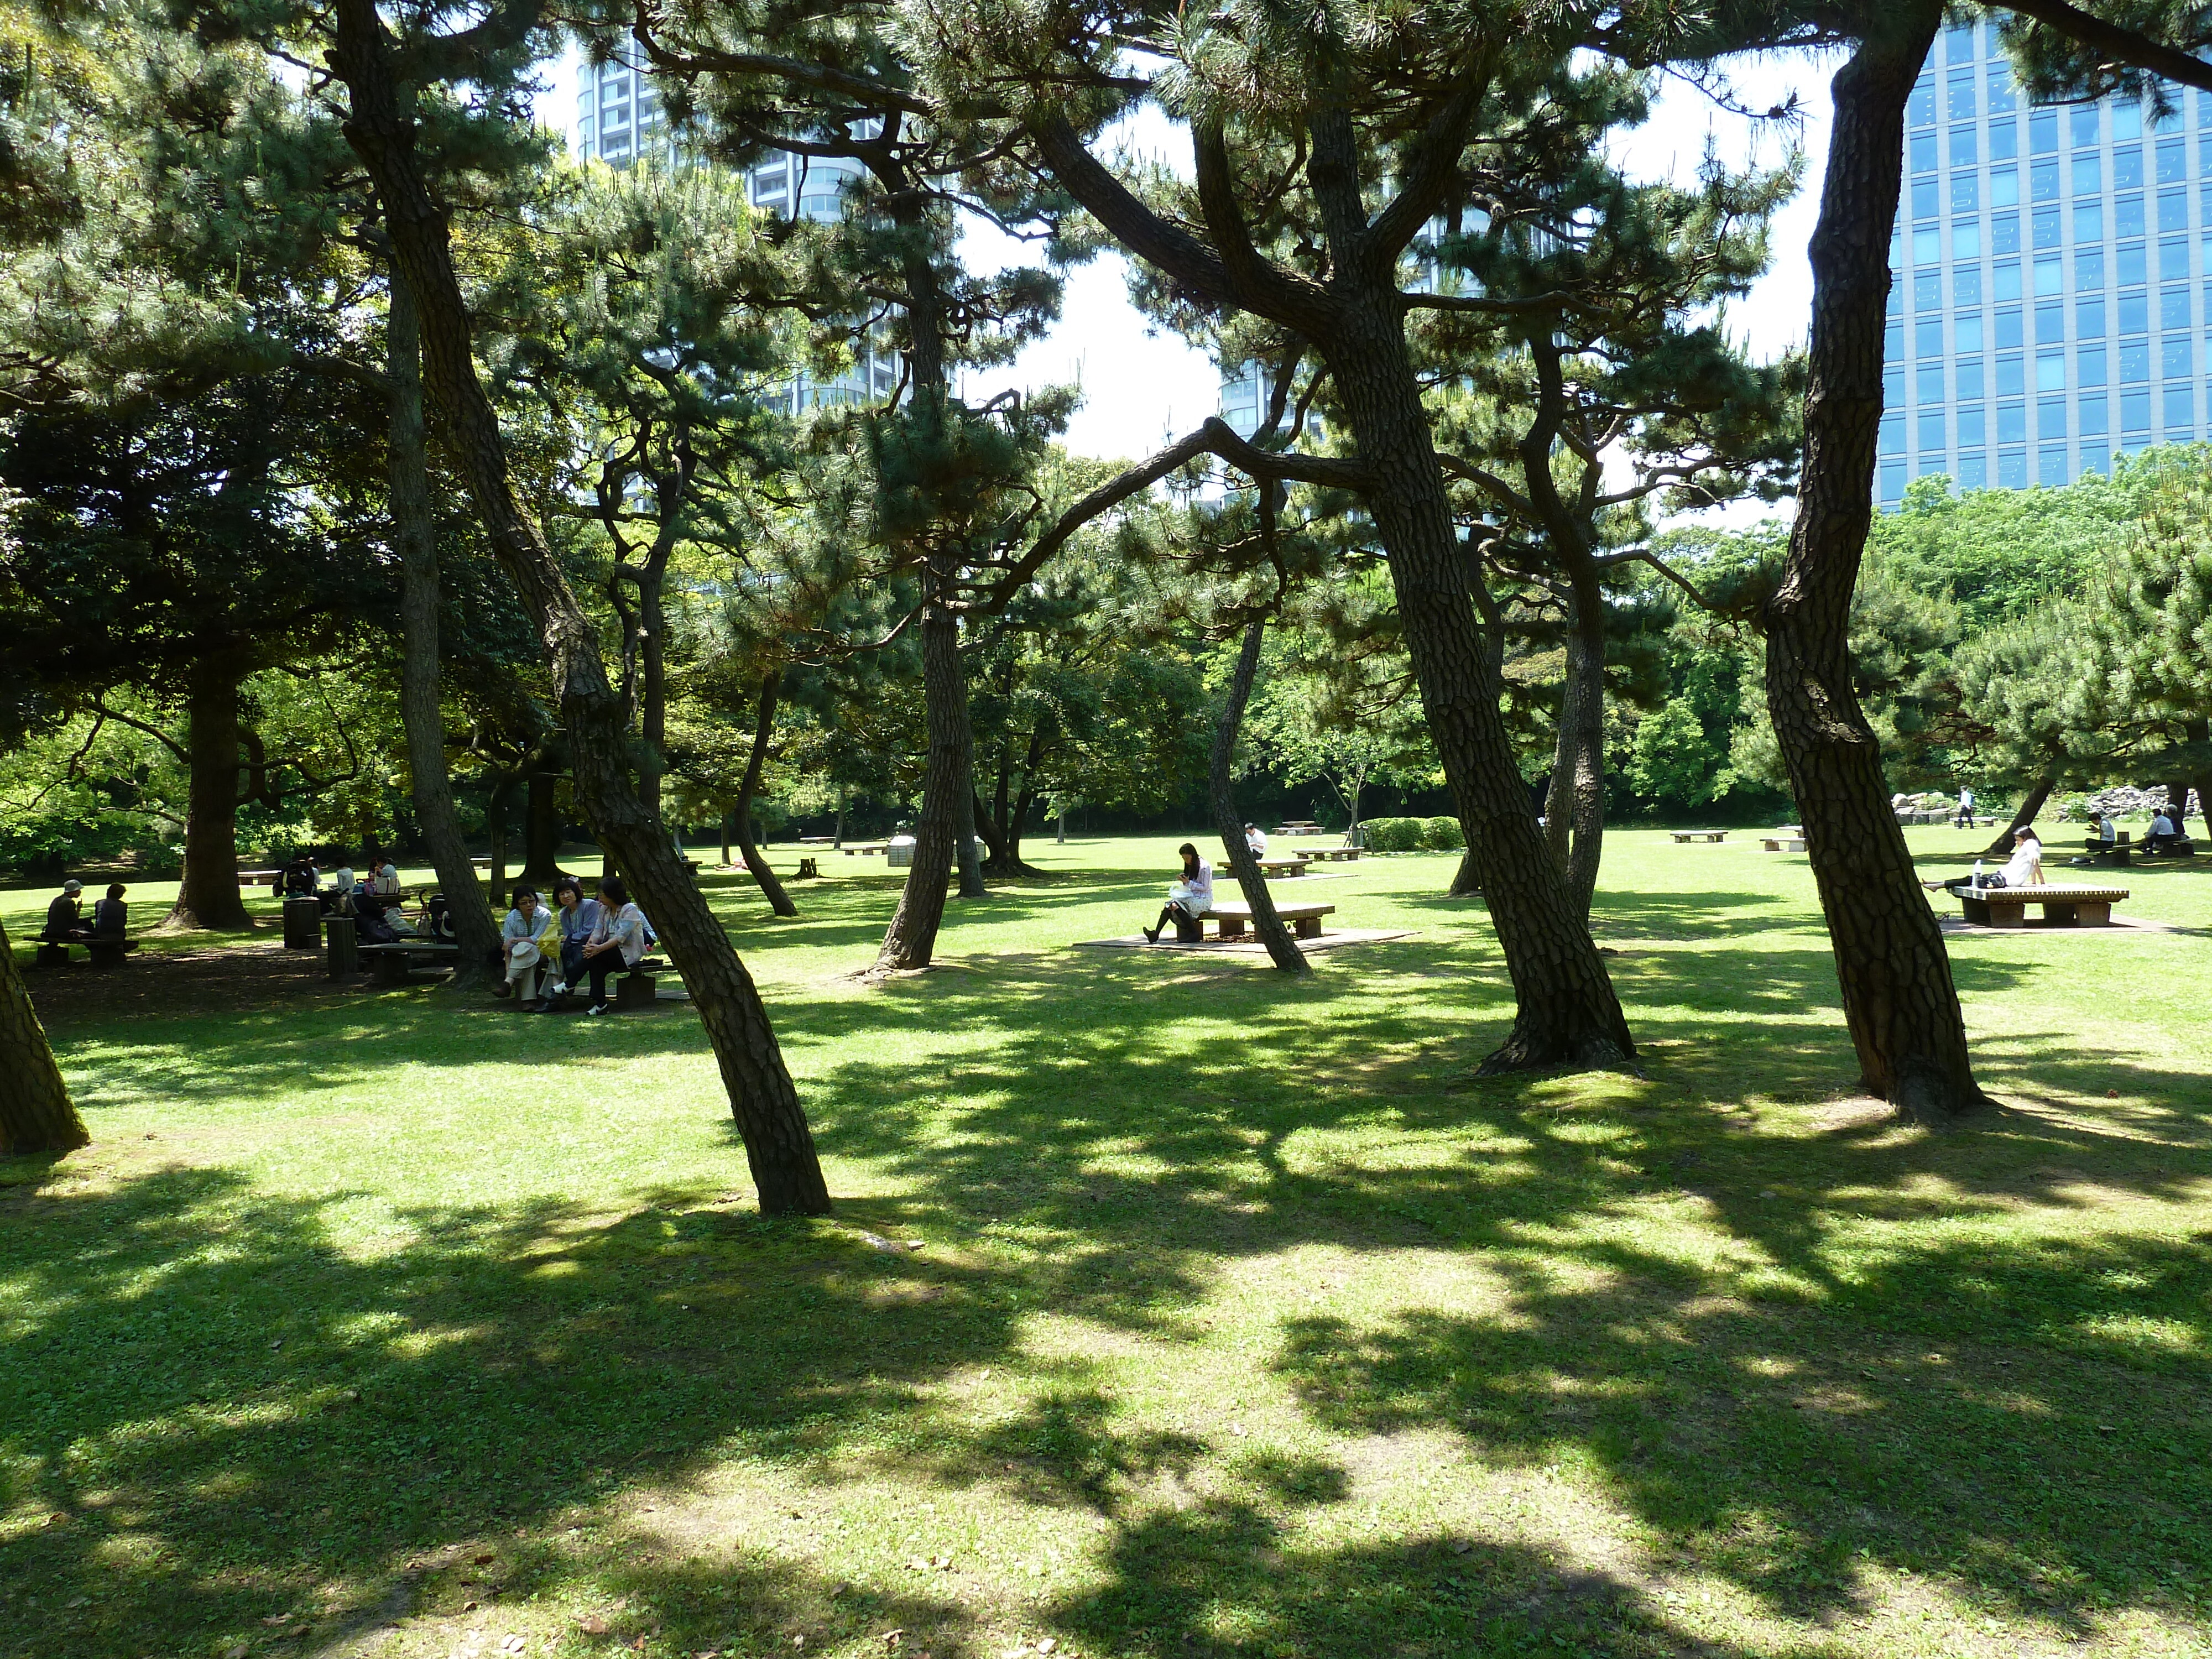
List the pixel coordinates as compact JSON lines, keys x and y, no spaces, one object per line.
{"x":1230,"y":926}
{"x":1308,"y":927}
{"x":2007,"y":915}
{"x":389,"y":967}
{"x":2089,"y":914}
{"x":52,"y":955}
{"x":105,"y":955}
{"x":636,"y":990}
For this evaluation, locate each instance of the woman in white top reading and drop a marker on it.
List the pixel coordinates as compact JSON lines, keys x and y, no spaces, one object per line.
{"x":1189,"y":898}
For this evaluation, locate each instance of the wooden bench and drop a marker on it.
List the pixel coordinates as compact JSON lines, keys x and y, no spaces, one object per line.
{"x":1272,"y":867}
{"x":105,"y":949}
{"x":1698,"y":835}
{"x":1304,"y":919}
{"x":393,"y":963}
{"x":1338,"y":854}
{"x":866,"y":849}
{"x":2063,"y":907}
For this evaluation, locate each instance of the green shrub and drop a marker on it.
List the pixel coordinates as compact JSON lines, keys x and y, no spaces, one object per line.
{"x":1394,"y":835}
{"x":1442,"y":836}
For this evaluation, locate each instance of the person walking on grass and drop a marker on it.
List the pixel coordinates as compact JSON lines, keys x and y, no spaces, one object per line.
{"x":524,"y":937}
{"x":1965,"y":816}
{"x":617,"y":941}
{"x":1189,"y":898}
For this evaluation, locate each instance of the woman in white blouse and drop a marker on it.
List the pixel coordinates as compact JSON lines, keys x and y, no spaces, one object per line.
{"x":1189,"y":898}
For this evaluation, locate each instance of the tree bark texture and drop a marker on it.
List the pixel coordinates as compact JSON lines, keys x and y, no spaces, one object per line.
{"x":947,"y":775}
{"x":208,"y":895}
{"x":1466,"y":880}
{"x":36,"y":1113}
{"x":971,"y":854}
{"x":778,"y":900}
{"x":779,"y":1144}
{"x":1574,"y":807}
{"x":541,"y":824}
{"x":2030,"y":804}
{"x":1898,"y":995}
{"x":1282,"y":950}
{"x":414,"y":531}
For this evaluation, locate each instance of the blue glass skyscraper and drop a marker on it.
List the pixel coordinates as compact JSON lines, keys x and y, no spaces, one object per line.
{"x":2045,"y":310}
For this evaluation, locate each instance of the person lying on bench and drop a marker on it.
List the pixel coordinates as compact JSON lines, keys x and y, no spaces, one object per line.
{"x":2023,"y":869}
{"x":111,"y":916}
{"x":1189,"y":898}
{"x":64,"y":921}
{"x":2162,"y":833}
{"x":523,"y":938}
{"x":617,"y":941}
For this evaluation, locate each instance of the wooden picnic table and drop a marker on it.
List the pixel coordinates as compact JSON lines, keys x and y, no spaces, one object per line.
{"x":865,"y":849}
{"x":393,"y":963}
{"x":1334,"y":854}
{"x":1698,"y":835}
{"x":1281,"y":867}
{"x":2063,"y":907}
{"x":1304,"y":919}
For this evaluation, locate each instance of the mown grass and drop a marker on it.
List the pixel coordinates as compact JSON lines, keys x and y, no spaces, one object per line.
{"x":1243,"y":1320}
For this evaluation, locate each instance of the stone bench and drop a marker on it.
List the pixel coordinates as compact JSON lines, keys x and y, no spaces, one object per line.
{"x":1782,"y":843}
{"x":1273,"y":868}
{"x":865,"y":849}
{"x":1698,"y":835}
{"x":1338,"y":854}
{"x":1304,"y":920}
{"x":2063,"y":907}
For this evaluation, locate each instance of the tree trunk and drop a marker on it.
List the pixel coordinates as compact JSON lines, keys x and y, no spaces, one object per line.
{"x":727,"y":819}
{"x":971,"y":856}
{"x":779,"y":1145}
{"x":778,"y":900}
{"x":1060,"y":840}
{"x":209,"y":896}
{"x":1566,"y":1012}
{"x":541,"y":827}
{"x":1466,"y":880}
{"x":988,"y":829}
{"x":2029,"y":806}
{"x":911,"y":939}
{"x":1574,"y":807}
{"x":837,"y":830}
{"x":1898,"y":995}
{"x":414,"y":531}
{"x":1282,"y":950}
{"x":36,"y":1115}
{"x":496,"y":808}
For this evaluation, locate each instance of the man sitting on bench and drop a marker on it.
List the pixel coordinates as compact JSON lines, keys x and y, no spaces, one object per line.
{"x":2162,"y":833}
{"x":64,"y":924}
{"x":2023,"y":869}
{"x":111,"y":916}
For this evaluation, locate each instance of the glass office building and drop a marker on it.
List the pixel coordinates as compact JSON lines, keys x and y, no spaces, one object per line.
{"x":2046,"y":309}
{"x":618,"y":115}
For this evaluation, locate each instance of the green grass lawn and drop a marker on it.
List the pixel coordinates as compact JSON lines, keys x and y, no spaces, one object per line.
{"x":1238,"y":1319}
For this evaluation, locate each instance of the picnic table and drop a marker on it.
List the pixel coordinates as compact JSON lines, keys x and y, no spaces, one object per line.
{"x":1304,"y":919}
{"x":1300,"y":827}
{"x":818,"y":840}
{"x":866,"y":849}
{"x":2063,"y":907}
{"x":1273,"y":868}
{"x":1699,"y":835}
{"x":392,"y":964}
{"x":1786,"y":838}
{"x":1336,"y":854}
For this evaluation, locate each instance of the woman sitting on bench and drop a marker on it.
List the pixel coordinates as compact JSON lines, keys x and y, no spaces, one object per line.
{"x":111,"y":917}
{"x":2023,"y":869}
{"x":617,"y":941}
{"x":1188,"y":899}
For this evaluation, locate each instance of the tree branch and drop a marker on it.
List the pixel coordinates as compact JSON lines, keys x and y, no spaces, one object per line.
{"x":2111,"y":40}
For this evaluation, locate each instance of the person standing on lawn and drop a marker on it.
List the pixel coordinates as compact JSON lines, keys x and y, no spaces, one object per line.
{"x":1189,"y":898}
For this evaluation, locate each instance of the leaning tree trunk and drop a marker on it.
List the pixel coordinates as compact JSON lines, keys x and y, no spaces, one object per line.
{"x":1466,"y":880}
{"x":1282,"y":950}
{"x":541,"y":827}
{"x":987,"y":829}
{"x":779,"y":1145}
{"x":414,"y":529}
{"x":2030,"y":804}
{"x":36,"y":1115}
{"x":970,"y":855}
{"x":1898,"y":995}
{"x":778,"y":900}
{"x":1574,"y":808}
{"x":911,"y":939}
{"x":209,"y":896}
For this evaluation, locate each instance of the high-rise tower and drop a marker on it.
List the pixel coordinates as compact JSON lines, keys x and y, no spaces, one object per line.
{"x":2043,"y":312}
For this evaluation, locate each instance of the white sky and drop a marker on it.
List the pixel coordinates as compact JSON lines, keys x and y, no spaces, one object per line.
{"x":1140,"y":387}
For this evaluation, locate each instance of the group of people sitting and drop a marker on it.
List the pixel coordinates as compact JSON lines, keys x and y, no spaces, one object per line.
{"x":301,"y":878}
{"x":67,"y":923}
{"x":548,"y":950}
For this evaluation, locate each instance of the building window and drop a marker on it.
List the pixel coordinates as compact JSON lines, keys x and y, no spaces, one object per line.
{"x":2004,"y":232}
{"x":2051,"y":419}
{"x":1893,"y":342}
{"x":1928,"y":339}
{"x":2205,"y":109}
{"x":1958,"y":46}
{"x":2004,"y":187}
{"x":1966,"y":375}
{"x":1892,"y":484}
{"x":1923,"y":152}
{"x":1927,"y":201}
{"x":1920,"y":107}
{"x":1896,"y":302}
{"x":2051,"y":371}
{"x":2127,"y":169}
{"x":2049,"y":275}
{"x":2089,"y":269}
{"x":1973,"y":473}
{"x":2127,"y":120}
{"x":2173,"y":257}
{"x":2085,"y":126}
{"x":1964,"y":147}
{"x":2135,"y":412}
{"x":2012,"y":423}
{"x":2133,"y":264}
{"x":2180,"y":410}
{"x":2046,"y":227}
{"x":2089,"y":318}
{"x":1931,"y":383}
{"x":2135,"y":313}
{"x":2005,"y":285}
{"x":1999,"y":82}
{"x":1960,"y":89}
{"x":2173,"y":160}
{"x":2042,"y":131}
{"x":2173,"y":211}
{"x":2128,"y":218}
{"x":1965,"y":192}
{"x":2011,"y":377}
{"x":1927,"y":290}
{"x":1966,"y":331}
{"x":2050,"y":322}
{"x":1892,"y":434}
{"x":2043,"y":181}
{"x":1931,"y":431}
{"x":1970,"y":428}
{"x":2089,"y":223}
{"x":2051,"y":466}
{"x":2134,"y":362}
{"x":1892,"y":385}
{"x":2173,"y":357}
{"x":1927,"y":244}
{"x":1966,"y":285}
{"x":2088,"y":174}
{"x":2173,"y":307}
{"x":2092,"y":416}
{"x":2012,"y":470}
{"x":2011,"y":331}
{"x":2089,"y":365}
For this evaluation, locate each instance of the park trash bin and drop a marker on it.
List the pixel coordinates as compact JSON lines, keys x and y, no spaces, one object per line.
{"x":898,"y":853}
{"x":303,"y":923}
{"x":343,"y":959}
